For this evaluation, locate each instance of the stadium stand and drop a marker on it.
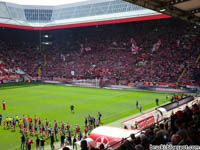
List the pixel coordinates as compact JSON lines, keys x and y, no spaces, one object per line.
{"x":122,"y":53}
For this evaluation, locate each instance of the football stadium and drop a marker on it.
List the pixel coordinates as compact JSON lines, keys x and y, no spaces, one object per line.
{"x":99,"y":74}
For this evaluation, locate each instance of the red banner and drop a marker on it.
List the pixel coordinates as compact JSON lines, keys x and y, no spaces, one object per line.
{"x":148,"y":83}
{"x":146,"y":122}
{"x":61,"y":79}
{"x":10,"y":77}
{"x":173,"y":85}
{"x":161,"y":84}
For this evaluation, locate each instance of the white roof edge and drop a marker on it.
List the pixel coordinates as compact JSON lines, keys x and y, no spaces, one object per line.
{"x":44,"y":3}
{"x":114,"y":16}
{"x":55,"y":6}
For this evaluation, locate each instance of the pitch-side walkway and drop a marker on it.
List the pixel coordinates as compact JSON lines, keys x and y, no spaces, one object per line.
{"x":118,"y":122}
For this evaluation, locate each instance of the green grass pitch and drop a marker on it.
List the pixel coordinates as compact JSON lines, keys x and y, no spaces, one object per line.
{"x":53,"y":102}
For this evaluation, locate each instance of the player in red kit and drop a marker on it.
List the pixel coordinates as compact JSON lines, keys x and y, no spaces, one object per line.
{"x":55,"y":124}
{"x":86,"y":131}
{"x":39,"y":122}
{"x":4,"y":105}
{"x":46,"y":133}
{"x":40,"y":131}
{"x":4,"y":124}
{"x":47,"y":122}
{"x":68,"y":126}
{"x":77,"y":129}
{"x":24,"y":118}
{"x":181,"y":96}
{"x":29,"y":119}
{"x":62,"y":125}
{"x":35,"y":119}
{"x":32,"y":131}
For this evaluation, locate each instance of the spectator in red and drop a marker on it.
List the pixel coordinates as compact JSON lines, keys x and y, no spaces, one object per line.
{"x":30,"y":141}
{"x":4,"y":105}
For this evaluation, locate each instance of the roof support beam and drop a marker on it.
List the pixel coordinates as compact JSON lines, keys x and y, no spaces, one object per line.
{"x":170,"y":10}
{"x":150,"y":4}
{"x":173,"y":2}
{"x":194,"y":11}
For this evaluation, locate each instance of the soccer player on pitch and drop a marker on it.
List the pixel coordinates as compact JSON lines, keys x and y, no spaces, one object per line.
{"x":0,"y":119}
{"x":47,"y":123}
{"x":4,"y":105}
{"x":99,"y":116}
{"x":167,"y":96}
{"x":157,"y":101}
{"x":137,"y":104}
{"x":17,"y":119}
{"x":140,"y":107}
{"x":72,"y":108}
{"x":35,"y":119}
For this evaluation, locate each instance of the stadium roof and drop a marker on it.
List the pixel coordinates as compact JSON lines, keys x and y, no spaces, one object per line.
{"x":34,"y":15}
{"x":188,"y":10}
{"x":43,"y":2}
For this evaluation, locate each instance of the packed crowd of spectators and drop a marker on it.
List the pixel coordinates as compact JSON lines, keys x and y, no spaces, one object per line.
{"x":182,"y":128}
{"x":105,"y":51}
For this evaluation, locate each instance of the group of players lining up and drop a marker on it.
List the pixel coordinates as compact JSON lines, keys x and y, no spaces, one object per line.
{"x":46,"y":129}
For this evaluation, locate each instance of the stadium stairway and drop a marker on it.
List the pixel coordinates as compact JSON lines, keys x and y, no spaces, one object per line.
{"x":187,"y":69}
{"x":2,"y":68}
{"x":182,"y":73}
